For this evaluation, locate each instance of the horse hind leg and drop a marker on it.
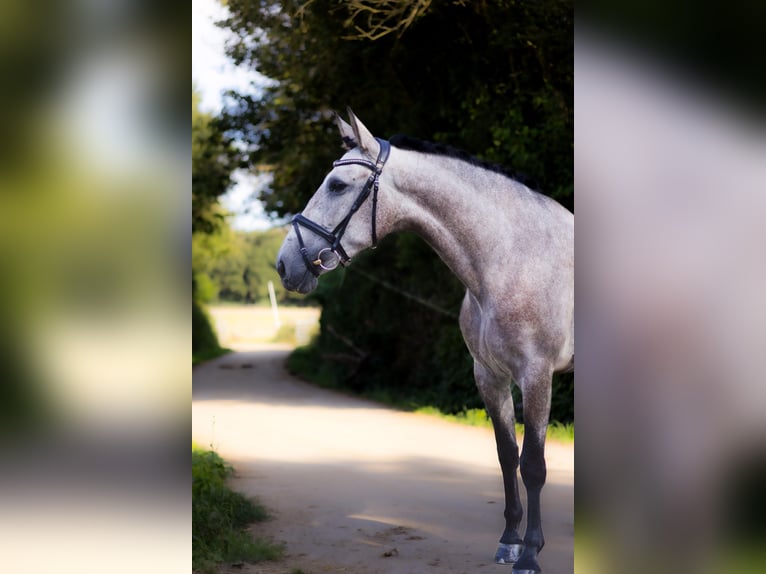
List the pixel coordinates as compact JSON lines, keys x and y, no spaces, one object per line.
{"x":497,"y":398}
{"x":536,"y":397}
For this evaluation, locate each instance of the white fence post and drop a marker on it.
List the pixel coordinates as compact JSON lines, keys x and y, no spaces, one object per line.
{"x":274,"y":309}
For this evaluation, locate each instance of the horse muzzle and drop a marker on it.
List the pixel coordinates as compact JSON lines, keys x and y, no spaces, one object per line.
{"x":300,"y":282}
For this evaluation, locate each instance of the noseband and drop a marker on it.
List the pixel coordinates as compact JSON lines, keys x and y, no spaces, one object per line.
{"x":333,"y":237}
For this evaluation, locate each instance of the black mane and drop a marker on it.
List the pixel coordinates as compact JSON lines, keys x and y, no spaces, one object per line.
{"x":413,"y":144}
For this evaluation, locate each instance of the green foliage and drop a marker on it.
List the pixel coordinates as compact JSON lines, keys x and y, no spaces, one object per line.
{"x":236,"y":266}
{"x":470,"y":417}
{"x":214,"y":159}
{"x":206,"y":291}
{"x":478,"y":418}
{"x":492,"y":77}
{"x":561,"y":432}
{"x":24,"y":406}
{"x":307,"y":363}
{"x":562,"y":400}
{"x":203,"y":336}
{"x":204,"y":340}
{"x":219,"y":516}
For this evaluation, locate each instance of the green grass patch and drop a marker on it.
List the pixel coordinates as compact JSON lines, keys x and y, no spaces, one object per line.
{"x":478,"y":418}
{"x":470,"y":417}
{"x":220,"y":517}
{"x":561,"y":432}
{"x":748,"y":558}
{"x":590,"y":558}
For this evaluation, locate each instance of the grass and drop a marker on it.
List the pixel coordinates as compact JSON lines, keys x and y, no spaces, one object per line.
{"x":747,"y":557}
{"x":561,"y":432}
{"x":557,"y":431}
{"x":220,"y":517}
{"x":470,"y":417}
{"x":743,"y":558}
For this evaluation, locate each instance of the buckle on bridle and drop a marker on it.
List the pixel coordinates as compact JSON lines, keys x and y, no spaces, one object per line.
{"x":318,"y":262}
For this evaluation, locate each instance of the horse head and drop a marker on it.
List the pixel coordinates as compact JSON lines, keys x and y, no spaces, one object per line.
{"x":339,"y":220}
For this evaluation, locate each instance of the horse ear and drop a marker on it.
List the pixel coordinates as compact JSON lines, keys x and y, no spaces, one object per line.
{"x":363,"y":136}
{"x":346,"y":133}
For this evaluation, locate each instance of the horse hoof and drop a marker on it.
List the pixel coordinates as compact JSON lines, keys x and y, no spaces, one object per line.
{"x":527,"y":567}
{"x":508,"y":553}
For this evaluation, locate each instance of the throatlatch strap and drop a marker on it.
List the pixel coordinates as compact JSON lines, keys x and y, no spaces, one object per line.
{"x":385,"y":149}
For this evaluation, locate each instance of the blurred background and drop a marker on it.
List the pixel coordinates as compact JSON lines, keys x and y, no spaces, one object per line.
{"x":94,"y":288}
{"x":670,"y":179}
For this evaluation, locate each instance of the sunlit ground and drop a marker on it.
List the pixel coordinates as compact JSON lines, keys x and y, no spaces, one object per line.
{"x":243,"y":327}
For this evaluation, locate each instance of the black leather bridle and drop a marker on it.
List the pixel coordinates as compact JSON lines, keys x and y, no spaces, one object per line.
{"x":333,"y":237}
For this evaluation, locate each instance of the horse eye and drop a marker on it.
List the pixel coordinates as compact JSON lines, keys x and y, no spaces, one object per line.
{"x":336,"y":186}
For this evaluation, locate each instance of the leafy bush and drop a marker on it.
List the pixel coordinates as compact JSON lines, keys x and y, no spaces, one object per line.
{"x":206,"y":291}
{"x":204,"y":340}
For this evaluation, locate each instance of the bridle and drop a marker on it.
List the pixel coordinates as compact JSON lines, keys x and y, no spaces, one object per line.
{"x":334,"y":237}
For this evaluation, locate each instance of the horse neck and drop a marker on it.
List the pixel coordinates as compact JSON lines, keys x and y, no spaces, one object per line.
{"x":459,"y":210}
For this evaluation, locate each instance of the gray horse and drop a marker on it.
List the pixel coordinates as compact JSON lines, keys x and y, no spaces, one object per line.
{"x":512,"y":248}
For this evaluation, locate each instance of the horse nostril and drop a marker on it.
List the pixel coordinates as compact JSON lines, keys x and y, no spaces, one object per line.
{"x":281,"y":268}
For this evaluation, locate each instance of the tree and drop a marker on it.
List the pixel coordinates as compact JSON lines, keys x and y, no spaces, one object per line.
{"x":214,"y":159}
{"x":236,"y":266}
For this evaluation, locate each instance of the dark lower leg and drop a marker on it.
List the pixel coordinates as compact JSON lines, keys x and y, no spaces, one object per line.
{"x":499,"y":403}
{"x":533,"y":472}
{"x":533,"y":469}
{"x":510,"y":547}
{"x":509,"y":463}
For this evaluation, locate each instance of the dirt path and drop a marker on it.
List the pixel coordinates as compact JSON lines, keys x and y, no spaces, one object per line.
{"x":355,"y":487}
